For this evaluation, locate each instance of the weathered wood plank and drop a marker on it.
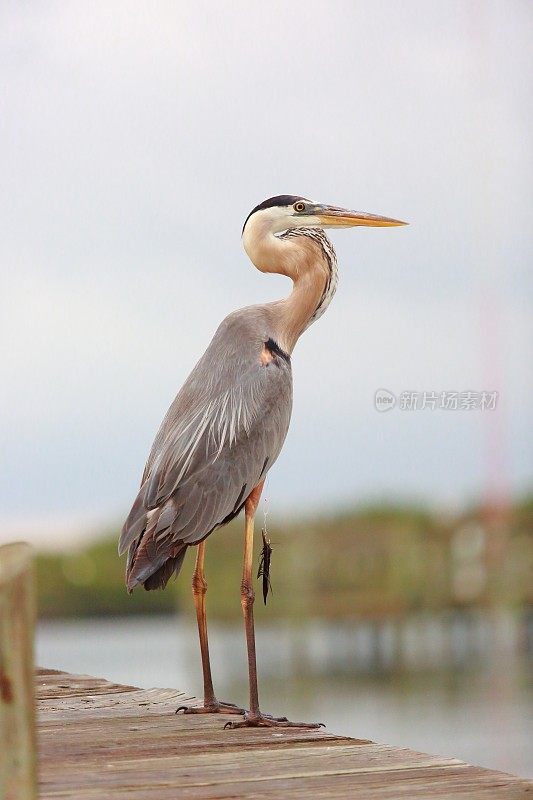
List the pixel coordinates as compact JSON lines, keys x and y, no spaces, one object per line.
{"x":100,"y":740}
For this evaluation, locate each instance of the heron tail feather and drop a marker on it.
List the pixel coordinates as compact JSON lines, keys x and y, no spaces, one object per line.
{"x":161,"y":577}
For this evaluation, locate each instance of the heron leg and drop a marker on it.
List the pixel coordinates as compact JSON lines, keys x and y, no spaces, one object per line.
{"x":248,"y":595}
{"x":199,"y":588}
{"x":254,"y":718}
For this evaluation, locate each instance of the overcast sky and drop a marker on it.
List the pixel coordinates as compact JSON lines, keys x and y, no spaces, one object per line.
{"x":135,"y":139}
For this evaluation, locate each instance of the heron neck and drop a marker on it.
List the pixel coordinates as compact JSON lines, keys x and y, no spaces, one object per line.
{"x":293,"y":314}
{"x":300,"y":256}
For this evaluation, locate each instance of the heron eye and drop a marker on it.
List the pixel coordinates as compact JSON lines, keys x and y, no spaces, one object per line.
{"x":299,"y":206}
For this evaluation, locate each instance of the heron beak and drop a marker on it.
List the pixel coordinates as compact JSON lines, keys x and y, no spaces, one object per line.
{"x":333,"y":217}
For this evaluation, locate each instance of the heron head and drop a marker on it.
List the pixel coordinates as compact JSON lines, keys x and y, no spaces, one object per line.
{"x":287,"y":211}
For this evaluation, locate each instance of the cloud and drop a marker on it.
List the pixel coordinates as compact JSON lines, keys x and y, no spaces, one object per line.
{"x":137,"y":142}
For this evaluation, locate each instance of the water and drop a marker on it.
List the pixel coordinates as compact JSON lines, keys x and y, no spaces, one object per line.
{"x":479,"y":709}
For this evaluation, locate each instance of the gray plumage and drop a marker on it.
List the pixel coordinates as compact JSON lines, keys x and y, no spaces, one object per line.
{"x":219,"y":438}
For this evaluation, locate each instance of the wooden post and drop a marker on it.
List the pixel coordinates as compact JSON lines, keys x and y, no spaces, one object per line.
{"x":17,"y":707}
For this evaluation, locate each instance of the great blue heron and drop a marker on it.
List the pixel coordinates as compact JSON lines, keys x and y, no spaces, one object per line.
{"x":227,"y":425}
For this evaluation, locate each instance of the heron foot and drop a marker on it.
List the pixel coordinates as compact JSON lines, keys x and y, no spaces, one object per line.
{"x":216,"y":707}
{"x":266,"y":721}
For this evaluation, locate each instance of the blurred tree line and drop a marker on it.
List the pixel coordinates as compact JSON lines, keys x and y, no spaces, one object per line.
{"x":371,"y":563}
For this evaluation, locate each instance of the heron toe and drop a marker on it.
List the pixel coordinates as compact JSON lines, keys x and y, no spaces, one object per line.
{"x":266,"y":721}
{"x":217,"y":707}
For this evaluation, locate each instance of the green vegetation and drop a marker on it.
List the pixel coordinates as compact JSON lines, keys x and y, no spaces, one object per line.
{"x":370,"y":563}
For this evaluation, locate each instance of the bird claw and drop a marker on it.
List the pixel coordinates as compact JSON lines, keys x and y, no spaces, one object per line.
{"x":266,"y":721}
{"x":217,"y":707}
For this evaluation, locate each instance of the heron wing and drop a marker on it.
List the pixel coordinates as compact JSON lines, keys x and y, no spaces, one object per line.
{"x":223,"y":432}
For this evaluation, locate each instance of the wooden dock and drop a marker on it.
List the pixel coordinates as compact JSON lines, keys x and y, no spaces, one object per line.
{"x":99,"y":740}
